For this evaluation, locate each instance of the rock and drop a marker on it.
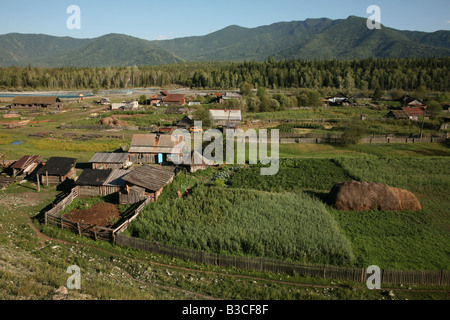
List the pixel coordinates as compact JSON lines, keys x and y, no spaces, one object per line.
{"x":62,"y":290}
{"x":391,"y":294}
{"x":364,"y":196}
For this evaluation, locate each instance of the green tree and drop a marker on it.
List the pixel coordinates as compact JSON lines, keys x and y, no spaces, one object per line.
{"x":353,"y":133}
{"x":142,"y":100}
{"x":202,"y":114}
{"x":434,"y":109}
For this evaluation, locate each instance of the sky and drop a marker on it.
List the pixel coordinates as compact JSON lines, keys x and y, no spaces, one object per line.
{"x":169,"y":19}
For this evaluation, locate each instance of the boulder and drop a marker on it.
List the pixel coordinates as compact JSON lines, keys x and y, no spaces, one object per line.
{"x":364,"y":196}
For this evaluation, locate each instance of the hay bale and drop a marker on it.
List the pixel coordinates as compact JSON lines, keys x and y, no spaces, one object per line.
{"x":364,"y":196}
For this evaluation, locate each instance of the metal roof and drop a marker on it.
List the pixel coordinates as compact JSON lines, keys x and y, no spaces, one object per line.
{"x":26,"y":161}
{"x":103,"y":157}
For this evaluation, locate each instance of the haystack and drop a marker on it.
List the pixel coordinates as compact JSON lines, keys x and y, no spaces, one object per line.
{"x":364,"y":196}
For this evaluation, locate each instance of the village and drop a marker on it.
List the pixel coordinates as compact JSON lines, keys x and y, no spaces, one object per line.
{"x":104,"y":192}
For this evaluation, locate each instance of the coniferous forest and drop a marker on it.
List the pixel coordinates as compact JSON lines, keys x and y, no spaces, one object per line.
{"x":355,"y":75}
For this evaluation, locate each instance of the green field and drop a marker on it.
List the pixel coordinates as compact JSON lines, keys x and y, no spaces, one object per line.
{"x":235,"y":219}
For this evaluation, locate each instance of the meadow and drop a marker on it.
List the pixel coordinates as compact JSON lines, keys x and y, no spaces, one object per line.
{"x":278,"y":216}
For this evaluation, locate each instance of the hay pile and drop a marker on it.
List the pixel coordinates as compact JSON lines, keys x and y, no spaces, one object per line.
{"x":112,"y":121}
{"x":364,"y":196}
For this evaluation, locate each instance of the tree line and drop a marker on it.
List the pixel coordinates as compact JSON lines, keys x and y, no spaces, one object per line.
{"x":350,"y":76}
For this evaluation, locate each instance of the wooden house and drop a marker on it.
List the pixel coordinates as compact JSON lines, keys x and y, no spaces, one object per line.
{"x":56,"y":170}
{"x":339,"y":99}
{"x":25,"y":165}
{"x":397,"y":114}
{"x":145,"y":182}
{"x":110,"y":160}
{"x":173,"y":99}
{"x":95,"y":182}
{"x":415,"y":113}
{"x":185,"y":123}
{"x":226,"y":118}
{"x":156,"y":148}
{"x":36,"y":101}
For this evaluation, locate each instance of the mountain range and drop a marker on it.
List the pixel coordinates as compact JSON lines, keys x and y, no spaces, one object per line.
{"x":310,"y":39}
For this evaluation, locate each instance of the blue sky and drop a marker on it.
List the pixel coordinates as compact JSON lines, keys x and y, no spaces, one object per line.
{"x":179,"y":18}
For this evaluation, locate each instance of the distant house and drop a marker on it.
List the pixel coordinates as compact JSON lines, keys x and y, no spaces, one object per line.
{"x":110,"y":160}
{"x":36,"y":101}
{"x":226,"y":118}
{"x":445,"y":107}
{"x":95,"y":182}
{"x":56,"y":170}
{"x":125,"y":105}
{"x":155,"y":148}
{"x":145,"y":182}
{"x":339,"y":99}
{"x":185,"y":123}
{"x":398,"y":115}
{"x":25,"y":165}
{"x":105,"y":101}
{"x":415,"y":113}
{"x":174,"y":100}
{"x":229,"y":96}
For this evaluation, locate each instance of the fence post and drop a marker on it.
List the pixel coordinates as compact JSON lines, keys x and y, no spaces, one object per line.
{"x":78,"y":227}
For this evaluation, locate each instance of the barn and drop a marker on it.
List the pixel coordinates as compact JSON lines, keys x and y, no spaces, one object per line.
{"x":155,"y":148}
{"x":97,"y":182}
{"x":25,"y":165}
{"x":56,"y":170}
{"x":36,"y":101}
{"x":145,"y":182}
{"x":103,"y":160}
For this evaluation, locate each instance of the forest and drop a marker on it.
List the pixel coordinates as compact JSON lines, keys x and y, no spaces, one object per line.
{"x":351,"y":76}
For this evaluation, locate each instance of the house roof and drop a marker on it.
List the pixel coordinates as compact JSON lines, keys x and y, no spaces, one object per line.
{"x":149,"y":177}
{"x":149,"y":143}
{"x":57,"y":166}
{"x":115,"y":179}
{"x":186,"y":121}
{"x":414,"y":111}
{"x":26,"y":161}
{"x":172,"y":97}
{"x":93,"y":177}
{"x":102,"y":157}
{"x":233,"y":115}
{"x":35,"y":100}
{"x":399,"y":114}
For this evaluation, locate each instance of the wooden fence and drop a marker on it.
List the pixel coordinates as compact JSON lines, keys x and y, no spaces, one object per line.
{"x":278,"y":266}
{"x":240,"y":262}
{"x":95,"y":232}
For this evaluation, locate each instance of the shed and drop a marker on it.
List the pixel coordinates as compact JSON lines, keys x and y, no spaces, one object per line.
{"x":226,"y":118}
{"x":96,"y":182}
{"x":57,"y":170}
{"x":174,"y":100}
{"x":104,"y":160}
{"x":149,"y":148}
{"x":25,"y":165}
{"x":36,"y":101}
{"x":145,"y":182}
{"x":185,"y":123}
